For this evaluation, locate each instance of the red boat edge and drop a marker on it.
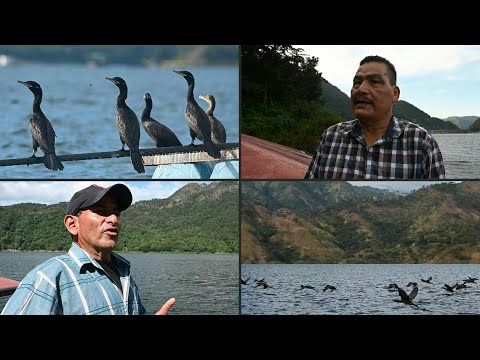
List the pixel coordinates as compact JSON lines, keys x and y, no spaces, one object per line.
{"x":8,"y":286}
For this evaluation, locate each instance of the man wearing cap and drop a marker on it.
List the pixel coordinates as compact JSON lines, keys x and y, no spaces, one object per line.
{"x":90,"y":279}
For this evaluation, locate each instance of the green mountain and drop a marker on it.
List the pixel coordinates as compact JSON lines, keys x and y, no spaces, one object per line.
{"x":463,"y":122}
{"x":436,"y":224}
{"x":339,"y":102}
{"x":475,"y":127}
{"x":197,"y":218}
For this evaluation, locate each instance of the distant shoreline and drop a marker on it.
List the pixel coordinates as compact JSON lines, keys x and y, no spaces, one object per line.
{"x":453,"y":132}
{"x":131,"y":252}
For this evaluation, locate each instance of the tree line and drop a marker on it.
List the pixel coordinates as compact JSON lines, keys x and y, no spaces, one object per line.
{"x":281,"y":96}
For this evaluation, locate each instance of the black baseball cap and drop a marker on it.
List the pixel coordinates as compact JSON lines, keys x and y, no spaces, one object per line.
{"x":94,"y":193}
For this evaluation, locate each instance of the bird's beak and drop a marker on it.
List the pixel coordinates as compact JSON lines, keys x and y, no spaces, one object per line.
{"x":178,"y":72}
{"x":24,"y":83}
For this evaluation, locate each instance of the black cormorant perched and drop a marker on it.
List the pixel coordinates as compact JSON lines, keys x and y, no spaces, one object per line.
{"x":128,"y":126}
{"x":197,"y":119}
{"x":43,"y":134}
{"x":159,"y":133}
{"x":219,"y":134}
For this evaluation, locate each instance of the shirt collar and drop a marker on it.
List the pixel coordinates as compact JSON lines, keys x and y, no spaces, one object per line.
{"x":395,"y":129}
{"x":81,"y":258}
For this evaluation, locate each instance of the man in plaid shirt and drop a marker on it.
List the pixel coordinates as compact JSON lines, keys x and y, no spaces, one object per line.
{"x":376,"y":145}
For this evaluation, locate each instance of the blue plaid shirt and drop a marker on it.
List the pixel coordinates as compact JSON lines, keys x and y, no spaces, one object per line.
{"x":406,"y":151}
{"x":75,"y":284}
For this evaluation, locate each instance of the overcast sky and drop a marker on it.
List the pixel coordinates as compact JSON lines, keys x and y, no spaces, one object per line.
{"x":52,"y":192}
{"x":441,"y":80}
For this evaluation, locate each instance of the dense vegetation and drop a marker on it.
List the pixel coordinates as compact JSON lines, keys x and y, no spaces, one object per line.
{"x":475,"y":127}
{"x":125,"y":54}
{"x":197,"y":218}
{"x":439,"y":223}
{"x":405,"y":110}
{"x":281,"y":96}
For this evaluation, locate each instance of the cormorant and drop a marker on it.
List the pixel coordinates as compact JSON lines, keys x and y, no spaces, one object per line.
{"x":244,"y":282}
{"x":43,"y":134}
{"x":470,"y":280}
{"x":429,"y":280}
{"x":307,"y":287}
{"x":197,"y":119}
{"x":458,"y":286}
{"x":407,"y":299}
{"x":262,"y":284}
{"x":128,"y":126}
{"x":159,"y":133}
{"x":331,"y":287}
{"x":448,"y":287}
{"x":392,"y":287}
{"x":219,"y":134}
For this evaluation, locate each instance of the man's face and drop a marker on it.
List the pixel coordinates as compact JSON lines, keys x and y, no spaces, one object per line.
{"x":372,"y":95}
{"x":99,"y":225}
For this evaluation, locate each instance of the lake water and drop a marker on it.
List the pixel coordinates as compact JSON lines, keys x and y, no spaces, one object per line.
{"x":81,"y":105}
{"x":202,"y":284}
{"x":461,"y":155}
{"x":360,"y":289}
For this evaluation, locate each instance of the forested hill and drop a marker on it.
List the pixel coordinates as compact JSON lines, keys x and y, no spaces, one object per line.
{"x":340,"y":223}
{"x":463,"y":122}
{"x":196,"y":218}
{"x":475,"y":127}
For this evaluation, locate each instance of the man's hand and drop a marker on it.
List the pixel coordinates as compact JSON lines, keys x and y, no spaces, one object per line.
{"x":166,"y":307}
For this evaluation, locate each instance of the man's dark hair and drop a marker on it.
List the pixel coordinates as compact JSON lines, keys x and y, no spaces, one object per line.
{"x":392,"y":73}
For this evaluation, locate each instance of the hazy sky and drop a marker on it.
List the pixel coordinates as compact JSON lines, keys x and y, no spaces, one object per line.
{"x":400,"y":185}
{"x":52,"y":192}
{"x":441,"y":80}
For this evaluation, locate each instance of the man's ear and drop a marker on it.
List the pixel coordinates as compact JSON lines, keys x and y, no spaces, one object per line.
{"x":71,"y":223}
{"x":396,"y":93}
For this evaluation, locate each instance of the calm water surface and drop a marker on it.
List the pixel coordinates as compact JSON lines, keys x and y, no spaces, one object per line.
{"x":202,"y":284}
{"x":461,"y":155}
{"x":360,"y":289}
{"x":81,"y":105}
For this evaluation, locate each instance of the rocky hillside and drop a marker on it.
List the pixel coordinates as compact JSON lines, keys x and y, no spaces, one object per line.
{"x":435,"y":224}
